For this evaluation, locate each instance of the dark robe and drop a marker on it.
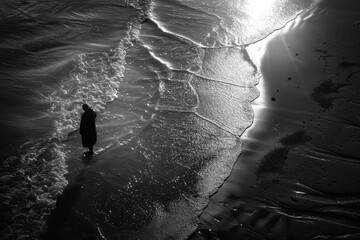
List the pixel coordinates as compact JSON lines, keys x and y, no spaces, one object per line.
{"x":87,"y":128}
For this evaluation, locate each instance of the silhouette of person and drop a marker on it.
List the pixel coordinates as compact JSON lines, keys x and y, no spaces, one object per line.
{"x":88,"y":129}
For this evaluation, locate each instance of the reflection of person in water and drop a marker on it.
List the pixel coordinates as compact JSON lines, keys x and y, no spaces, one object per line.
{"x":88,"y":129}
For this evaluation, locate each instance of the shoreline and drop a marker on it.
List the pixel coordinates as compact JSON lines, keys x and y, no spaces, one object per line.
{"x":298,"y":169}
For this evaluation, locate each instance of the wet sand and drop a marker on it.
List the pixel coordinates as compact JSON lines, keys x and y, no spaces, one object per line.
{"x":119,"y":194}
{"x":298,"y":175}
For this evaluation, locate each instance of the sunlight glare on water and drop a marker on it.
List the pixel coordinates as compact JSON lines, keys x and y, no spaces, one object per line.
{"x":258,"y":11}
{"x":258,"y":8}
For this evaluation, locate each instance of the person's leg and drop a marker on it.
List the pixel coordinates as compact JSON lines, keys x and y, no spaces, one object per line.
{"x":91,"y":150}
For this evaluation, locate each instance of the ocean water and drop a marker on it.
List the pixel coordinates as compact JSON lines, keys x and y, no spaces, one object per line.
{"x":172,"y":83}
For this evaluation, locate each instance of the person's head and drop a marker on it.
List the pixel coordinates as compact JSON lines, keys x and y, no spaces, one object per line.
{"x":85,"y":106}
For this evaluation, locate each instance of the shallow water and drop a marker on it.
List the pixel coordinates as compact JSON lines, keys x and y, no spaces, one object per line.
{"x":298,"y":174}
{"x":172,"y":84}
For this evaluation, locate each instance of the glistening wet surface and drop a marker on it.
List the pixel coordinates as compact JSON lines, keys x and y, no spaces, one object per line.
{"x":298,"y":174}
{"x":172,"y":83}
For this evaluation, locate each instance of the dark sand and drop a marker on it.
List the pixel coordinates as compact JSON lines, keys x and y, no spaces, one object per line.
{"x":298,"y":175}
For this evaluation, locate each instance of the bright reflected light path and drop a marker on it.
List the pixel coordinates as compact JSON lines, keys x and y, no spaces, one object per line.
{"x":259,"y":12}
{"x":259,"y":8}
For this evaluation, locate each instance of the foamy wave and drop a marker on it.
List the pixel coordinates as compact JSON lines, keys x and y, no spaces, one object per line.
{"x":29,"y":194}
{"x":32,"y":190}
{"x":95,"y":80}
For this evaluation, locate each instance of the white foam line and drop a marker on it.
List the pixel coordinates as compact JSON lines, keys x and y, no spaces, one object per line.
{"x":168,"y":65}
{"x":202,"y":117}
{"x":101,"y":234}
{"x":195,"y":92}
{"x":163,"y":62}
{"x":216,"y":124}
{"x":153,"y":19}
{"x":220,"y":81}
{"x":189,"y":168}
{"x":296,"y":15}
{"x":164,"y":108}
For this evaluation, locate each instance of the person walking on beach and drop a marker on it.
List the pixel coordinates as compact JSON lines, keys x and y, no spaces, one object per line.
{"x":88,"y":129}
